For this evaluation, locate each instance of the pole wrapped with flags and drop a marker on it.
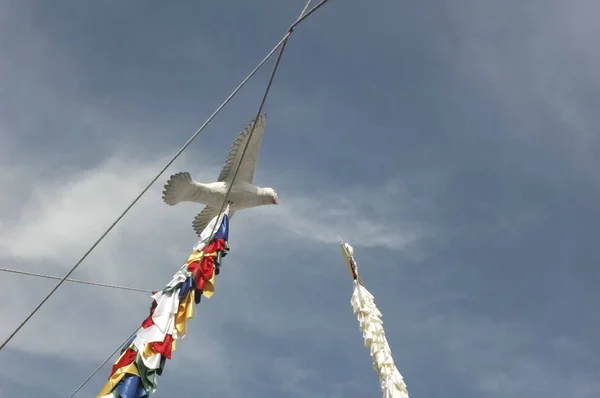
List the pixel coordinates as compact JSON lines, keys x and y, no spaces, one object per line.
{"x":371,"y":326}
{"x":135,"y":373}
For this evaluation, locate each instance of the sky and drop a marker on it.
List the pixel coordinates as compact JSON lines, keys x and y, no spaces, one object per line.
{"x":451,"y":143}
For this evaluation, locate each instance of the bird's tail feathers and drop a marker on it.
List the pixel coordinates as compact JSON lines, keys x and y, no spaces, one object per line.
{"x":177,"y":188}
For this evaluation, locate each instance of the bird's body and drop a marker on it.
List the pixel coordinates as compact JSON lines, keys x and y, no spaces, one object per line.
{"x":243,"y":194}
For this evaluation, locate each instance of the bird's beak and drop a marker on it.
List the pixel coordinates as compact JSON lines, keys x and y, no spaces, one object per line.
{"x":275,"y":201}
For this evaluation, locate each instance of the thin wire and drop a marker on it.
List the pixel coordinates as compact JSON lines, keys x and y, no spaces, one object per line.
{"x":102,"y":364}
{"x":283,"y":43}
{"x":190,"y":140}
{"x":309,"y":13}
{"x":262,"y":104}
{"x":133,"y":289}
{"x":302,"y":17}
{"x":140,"y":195}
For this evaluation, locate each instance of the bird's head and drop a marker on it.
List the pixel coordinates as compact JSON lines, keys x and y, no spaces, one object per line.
{"x":270,"y":196}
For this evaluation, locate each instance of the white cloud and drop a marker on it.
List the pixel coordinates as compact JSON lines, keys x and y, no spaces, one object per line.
{"x":58,"y":219}
{"x":69,"y":212}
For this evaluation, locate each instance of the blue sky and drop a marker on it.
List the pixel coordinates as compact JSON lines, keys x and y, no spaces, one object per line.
{"x":452,"y":143}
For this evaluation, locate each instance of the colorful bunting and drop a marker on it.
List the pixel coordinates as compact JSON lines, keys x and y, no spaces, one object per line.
{"x":135,"y":373}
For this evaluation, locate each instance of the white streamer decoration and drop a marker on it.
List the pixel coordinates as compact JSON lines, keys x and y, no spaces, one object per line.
{"x":371,"y":326}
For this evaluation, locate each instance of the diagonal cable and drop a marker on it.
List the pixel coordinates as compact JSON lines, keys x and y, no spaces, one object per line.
{"x":179,"y":152}
{"x":101,"y":365}
{"x":37,"y":275}
{"x":302,"y":17}
{"x":283,"y":43}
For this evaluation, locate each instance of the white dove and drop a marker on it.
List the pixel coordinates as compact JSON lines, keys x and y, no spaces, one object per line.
{"x":243,"y":195}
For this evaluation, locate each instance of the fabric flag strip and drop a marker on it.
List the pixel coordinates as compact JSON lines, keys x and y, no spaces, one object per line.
{"x":135,"y":373}
{"x":371,"y":326}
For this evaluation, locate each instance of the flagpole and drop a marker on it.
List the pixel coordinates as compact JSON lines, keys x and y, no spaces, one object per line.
{"x":144,"y":355}
{"x":371,"y":325}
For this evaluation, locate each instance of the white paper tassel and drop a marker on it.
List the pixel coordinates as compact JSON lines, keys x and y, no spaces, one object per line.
{"x":371,"y":326}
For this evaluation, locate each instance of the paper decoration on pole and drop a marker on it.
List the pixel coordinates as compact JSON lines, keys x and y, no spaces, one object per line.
{"x":135,"y":373}
{"x":371,"y":326}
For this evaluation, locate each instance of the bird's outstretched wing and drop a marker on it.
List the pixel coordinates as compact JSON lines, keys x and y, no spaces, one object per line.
{"x":203,"y":218}
{"x":246,"y":171}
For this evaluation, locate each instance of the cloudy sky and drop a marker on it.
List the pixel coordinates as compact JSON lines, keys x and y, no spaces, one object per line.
{"x":452,"y":143}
